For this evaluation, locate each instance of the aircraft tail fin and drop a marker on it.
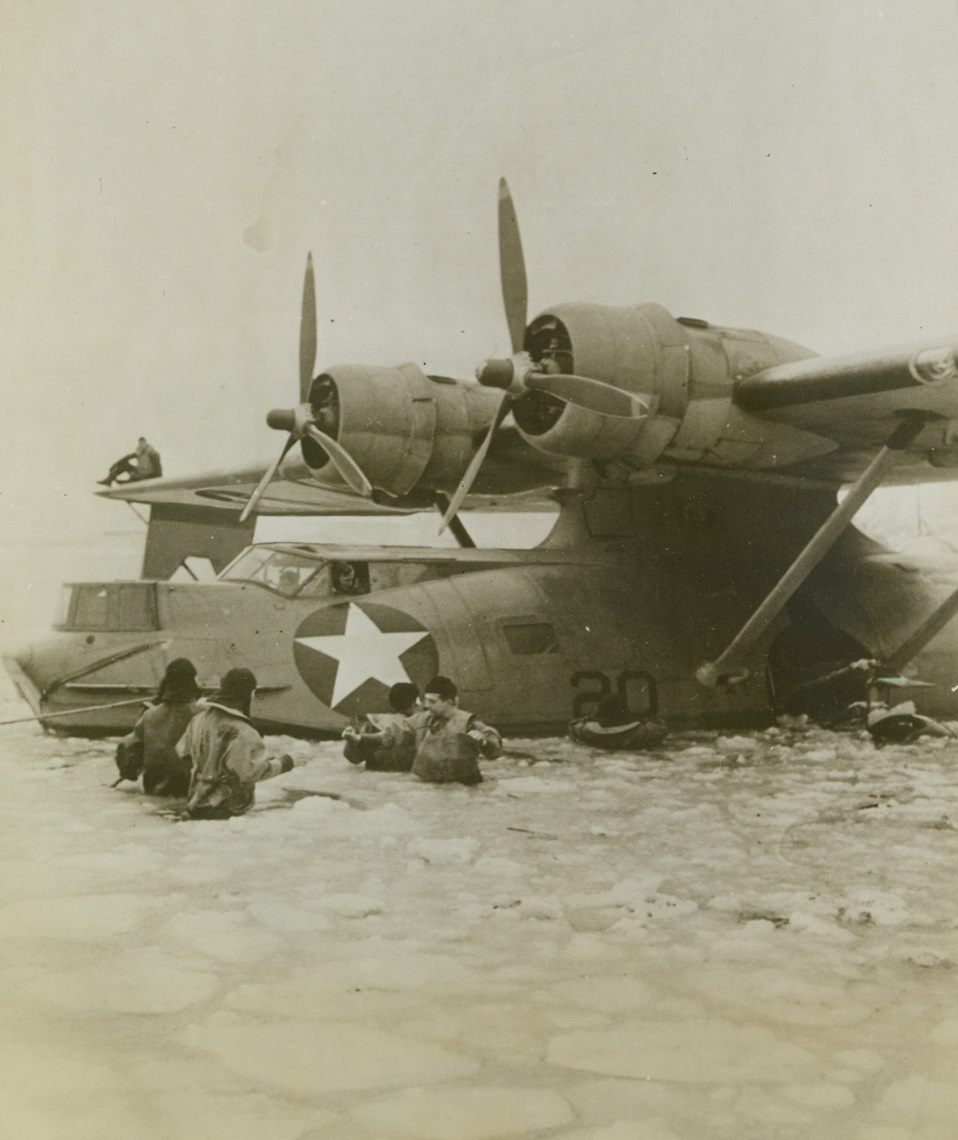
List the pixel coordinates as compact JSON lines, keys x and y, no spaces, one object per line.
{"x":178,"y":531}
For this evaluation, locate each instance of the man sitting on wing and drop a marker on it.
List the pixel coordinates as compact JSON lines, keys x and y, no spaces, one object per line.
{"x":448,"y":739}
{"x":227,"y":753}
{"x":144,"y":463}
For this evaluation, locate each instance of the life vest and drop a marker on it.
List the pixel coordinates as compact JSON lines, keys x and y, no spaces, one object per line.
{"x":445,"y":753}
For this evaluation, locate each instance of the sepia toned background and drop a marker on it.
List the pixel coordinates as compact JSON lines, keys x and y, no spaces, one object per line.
{"x":579,"y":923}
{"x":166,"y":168}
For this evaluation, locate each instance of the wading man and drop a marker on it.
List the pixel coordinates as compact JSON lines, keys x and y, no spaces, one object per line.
{"x":449,"y":740}
{"x":227,"y":753}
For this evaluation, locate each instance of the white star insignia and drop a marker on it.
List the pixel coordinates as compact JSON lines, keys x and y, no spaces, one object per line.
{"x":364,"y":651}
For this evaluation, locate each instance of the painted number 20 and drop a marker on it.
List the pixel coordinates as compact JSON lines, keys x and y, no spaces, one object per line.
{"x":634,"y":686}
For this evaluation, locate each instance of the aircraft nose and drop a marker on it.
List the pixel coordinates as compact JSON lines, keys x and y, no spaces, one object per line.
{"x":21,"y":667}
{"x":38,"y":666}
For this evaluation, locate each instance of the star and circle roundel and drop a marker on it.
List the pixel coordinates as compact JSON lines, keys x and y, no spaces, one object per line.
{"x":350,"y":654}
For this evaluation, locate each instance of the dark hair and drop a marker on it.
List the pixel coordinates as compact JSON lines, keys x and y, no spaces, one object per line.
{"x":611,"y":711}
{"x":179,"y":682}
{"x":403,"y":695}
{"x":442,"y":687}
{"x":237,"y":687}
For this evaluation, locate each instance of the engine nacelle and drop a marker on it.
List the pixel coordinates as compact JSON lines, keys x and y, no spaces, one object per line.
{"x":686,"y":369}
{"x":642,"y":350}
{"x":405,"y":429}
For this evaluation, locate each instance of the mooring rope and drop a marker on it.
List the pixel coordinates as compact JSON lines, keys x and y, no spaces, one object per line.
{"x":76,"y":712}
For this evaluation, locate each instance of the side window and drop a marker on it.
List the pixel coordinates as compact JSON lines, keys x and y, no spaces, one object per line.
{"x":91,"y":609}
{"x":350,"y":577}
{"x":527,"y":639}
{"x":318,"y":586}
{"x":114,"y":607}
{"x":133,"y":608}
{"x":389,"y":575}
{"x":62,"y":616}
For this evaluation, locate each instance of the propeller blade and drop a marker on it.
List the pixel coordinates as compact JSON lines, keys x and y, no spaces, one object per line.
{"x":593,"y":395}
{"x":265,"y":481}
{"x":307,"y":332}
{"x":344,"y":463}
{"x":477,"y":460}
{"x":512,"y":269}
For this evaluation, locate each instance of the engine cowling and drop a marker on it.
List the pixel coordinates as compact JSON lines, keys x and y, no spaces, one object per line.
{"x":685,"y":369}
{"x":405,"y":429}
{"x":640,"y":349}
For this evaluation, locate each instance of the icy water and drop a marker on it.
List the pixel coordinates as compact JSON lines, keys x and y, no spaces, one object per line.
{"x":735,"y":937}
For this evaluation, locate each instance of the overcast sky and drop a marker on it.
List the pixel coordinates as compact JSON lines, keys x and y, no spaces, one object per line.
{"x":166,"y":168}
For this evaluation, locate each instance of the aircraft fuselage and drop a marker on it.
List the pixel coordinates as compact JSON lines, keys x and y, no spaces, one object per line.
{"x":635,"y":588}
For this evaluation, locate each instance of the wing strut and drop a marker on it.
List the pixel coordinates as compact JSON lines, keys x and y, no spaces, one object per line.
{"x":453,"y":521}
{"x":928,"y":629}
{"x":729,"y":665}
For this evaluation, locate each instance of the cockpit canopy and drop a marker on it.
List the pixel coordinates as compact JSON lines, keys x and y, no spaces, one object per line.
{"x":283,"y":571}
{"x":304,"y":571}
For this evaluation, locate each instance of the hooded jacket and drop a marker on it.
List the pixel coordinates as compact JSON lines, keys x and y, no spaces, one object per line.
{"x":165,"y":773}
{"x":228,"y":757}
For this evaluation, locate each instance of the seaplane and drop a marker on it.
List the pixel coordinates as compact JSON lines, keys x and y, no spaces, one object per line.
{"x":703,"y":561}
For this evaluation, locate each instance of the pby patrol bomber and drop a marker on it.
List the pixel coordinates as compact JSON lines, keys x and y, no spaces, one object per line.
{"x":702,"y":562}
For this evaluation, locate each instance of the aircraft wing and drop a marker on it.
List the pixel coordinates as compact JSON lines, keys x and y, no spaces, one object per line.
{"x":292,"y":493}
{"x":295,"y":492}
{"x":858,"y":402}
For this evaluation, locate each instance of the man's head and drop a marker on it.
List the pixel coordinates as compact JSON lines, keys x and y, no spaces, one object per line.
{"x":236,"y":689}
{"x":612,"y":712}
{"x":441,"y":697}
{"x":403,"y":697}
{"x":346,"y":579}
{"x":142,"y":439}
{"x":179,"y":682}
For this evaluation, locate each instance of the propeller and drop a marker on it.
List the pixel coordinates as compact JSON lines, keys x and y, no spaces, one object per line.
{"x":512,"y":268}
{"x":518,"y":373}
{"x":307,"y":332}
{"x":300,"y":421}
{"x":455,"y":502}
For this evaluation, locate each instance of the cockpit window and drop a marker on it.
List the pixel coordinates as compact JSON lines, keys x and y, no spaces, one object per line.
{"x":299,"y":572}
{"x":282,"y":571}
{"x":350,"y":577}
